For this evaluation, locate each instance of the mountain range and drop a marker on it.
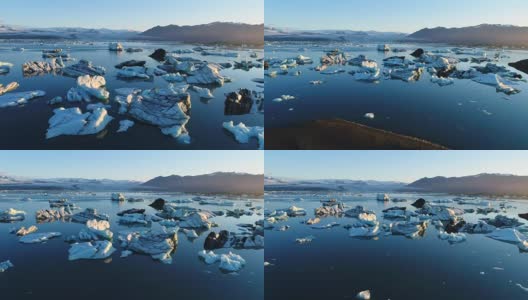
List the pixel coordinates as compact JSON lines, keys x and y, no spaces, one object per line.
{"x":281,"y":34}
{"x":482,"y":184}
{"x":217,"y":32}
{"x":481,"y":35}
{"x":220,"y":182}
{"x":278,"y":184}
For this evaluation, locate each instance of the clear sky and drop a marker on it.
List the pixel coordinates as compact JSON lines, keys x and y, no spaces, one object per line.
{"x":130,"y":165}
{"x":128,"y":14}
{"x":393,"y":15}
{"x":404,"y":166}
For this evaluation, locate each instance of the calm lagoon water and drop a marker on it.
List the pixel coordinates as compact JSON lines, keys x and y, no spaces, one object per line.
{"x":465,"y":115}
{"x":25,"y":127}
{"x":336,"y":266}
{"x":42,"y":271}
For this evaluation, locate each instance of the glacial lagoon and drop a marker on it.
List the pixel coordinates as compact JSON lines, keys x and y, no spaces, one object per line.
{"x":25,"y":125}
{"x":42,"y":270}
{"x":457,"y":113}
{"x":337,"y":261}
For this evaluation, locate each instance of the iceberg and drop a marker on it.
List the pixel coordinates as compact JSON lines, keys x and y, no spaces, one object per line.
{"x":196,"y":220}
{"x":135,"y":219}
{"x":207,"y":74}
{"x":368,"y":219}
{"x":88,"y":87}
{"x":12,"y":215}
{"x":124,"y":125}
{"x":209,"y":257}
{"x":305,"y":240}
{"x":158,"y":243}
{"x":72,"y":121}
{"x":33,"y":68}
{"x":480,"y":227}
{"x":231,"y":262}
{"x":118,"y":197}
{"x":242,"y":133}
{"x":295,"y":211}
{"x":8,"y":88}
{"x":496,"y":81}
{"x":204,"y":93}
{"x":34,"y":238}
{"x":115,"y":47}
{"x":22,"y":231}
{"x":5,"y":67}
{"x":409,"y":229}
{"x":133,"y":72}
{"x":89,"y":214}
{"x":363,"y":231}
{"x":384,"y":48}
{"x":441,"y":81}
{"x":51,"y":215}
{"x":452,"y":237}
{"x":91,"y":250}
{"x":5,"y":265}
{"x":20,"y":98}
{"x":173,"y":77}
{"x":100,"y":228}
{"x":383,"y":197}
{"x":508,"y":235}
{"x":363,"y":295}
{"x":83,"y":67}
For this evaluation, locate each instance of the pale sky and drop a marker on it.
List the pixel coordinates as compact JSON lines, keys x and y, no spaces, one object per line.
{"x":127,"y":165}
{"x":128,"y":14}
{"x":403,"y":166}
{"x":405,"y":16}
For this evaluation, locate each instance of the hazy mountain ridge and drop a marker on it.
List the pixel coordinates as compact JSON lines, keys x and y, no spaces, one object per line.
{"x":282,"y":34}
{"x":219,"y":182}
{"x":73,"y":33}
{"x":482,"y":184}
{"x":484,"y":35}
{"x":217,"y":32}
{"x":276,"y":184}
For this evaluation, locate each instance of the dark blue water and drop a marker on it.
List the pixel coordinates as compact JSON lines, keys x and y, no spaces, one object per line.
{"x":25,"y":127}
{"x":335,"y":266}
{"x":42,"y":271}
{"x":453,"y":116}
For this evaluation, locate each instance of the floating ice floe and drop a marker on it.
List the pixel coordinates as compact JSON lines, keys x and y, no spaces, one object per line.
{"x":135,"y":219}
{"x":368,"y":219}
{"x":158,"y":243}
{"x":441,"y":81}
{"x":204,"y":93}
{"x":115,"y":47}
{"x":33,"y":68}
{"x":5,"y":67}
{"x":133,"y":72}
{"x":363,"y":231}
{"x":294,"y":211}
{"x":22,"y":231}
{"x":196,"y":220}
{"x":219,"y":53}
{"x":19,"y":98}
{"x":243,"y":133}
{"x":52,"y":215}
{"x":207,"y":74}
{"x":509,"y":235}
{"x":124,"y":125}
{"x":5,"y":265}
{"x":305,"y":240}
{"x":12,"y":215}
{"x":174,"y":77}
{"x":363,"y":295}
{"x":131,"y":63}
{"x":452,"y":237}
{"x":83,"y":67}
{"x":406,"y":74}
{"x":91,"y":250}
{"x":228,"y":262}
{"x":55,"y":100}
{"x":34,"y":238}
{"x":369,"y":116}
{"x":72,"y":121}
{"x":89,"y":214}
{"x":384,"y":48}
{"x":480,"y":227}
{"x":8,"y":88}
{"x":410,"y":229}
{"x":496,"y":81}
{"x":118,"y":197}
{"x":88,"y":87}
{"x":382,"y":197}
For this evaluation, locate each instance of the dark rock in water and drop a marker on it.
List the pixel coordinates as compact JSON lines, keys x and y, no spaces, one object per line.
{"x":469,"y":210}
{"x":226,"y":65}
{"x":159,"y":55}
{"x":419,"y":203}
{"x":216,"y":240}
{"x":395,"y":208}
{"x":524,"y":216}
{"x":238,"y":103}
{"x":131,"y":63}
{"x":445,"y":73}
{"x":158,"y":204}
{"x":266,"y":65}
{"x":521,"y":65}
{"x":418,"y":52}
{"x":453,"y":227}
{"x":131,"y":211}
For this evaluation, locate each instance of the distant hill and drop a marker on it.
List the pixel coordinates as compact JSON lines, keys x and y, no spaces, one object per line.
{"x":12,"y":183}
{"x":218,"y":32}
{"x":281,"y":34}
{"x":482,"y":184}
{"x":276,"y":184}
{"x":65,"y":33}
{"x":483,"y":35}
{"x":220,"y":182}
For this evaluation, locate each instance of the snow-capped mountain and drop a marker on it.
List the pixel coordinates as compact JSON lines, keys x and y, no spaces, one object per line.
{"x":282,"y":34}
{"x":280,"y":184}
{"x":14,"y":32}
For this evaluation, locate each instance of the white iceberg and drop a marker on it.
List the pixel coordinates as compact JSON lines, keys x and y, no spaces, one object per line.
{"x":34,"y":238}
{"x":173,"y":77}
{"x":370,"y":116}
{"x":509,"y":235}
{"x":368,"y":219}
{"x":158,"y":243}
{"x":496,"y":81}
{"x":441,"y":81}
{"x":72,"y":121}
{"x":196,"y":220}
{"x":204,"y":93}
{"x":88,"y":87}
{"x":115,"y":47}
{"x":22,"y":231}
{"x":12,"y":215}
{"x":363,"y":231}
{"x":20,"y":98}
{"x":452,"y":237}
{"x":363,"y":295}
{"x":231,"y":262}
{"x":243,"y":133}
{"x":383,"y":47}
{"x":8,"y":88}
{"x":118,"y":197}
{"x":91,"y":250}
{"x":133,"y":72}
{"x":209,"y":257}
{"x":42,"y":67}
{"x":207,"y":74}
{"x":83,"y":67}
{"x":5,"y":67}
